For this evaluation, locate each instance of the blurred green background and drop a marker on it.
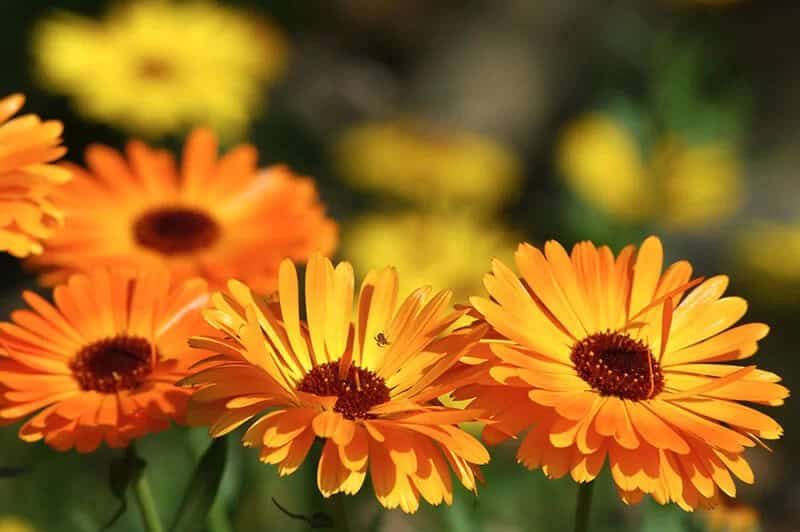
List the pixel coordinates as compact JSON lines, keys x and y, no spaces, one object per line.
{"x":440,"y":134}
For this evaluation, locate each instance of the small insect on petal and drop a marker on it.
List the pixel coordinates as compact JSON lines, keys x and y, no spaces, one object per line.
{"x":381,"y":340}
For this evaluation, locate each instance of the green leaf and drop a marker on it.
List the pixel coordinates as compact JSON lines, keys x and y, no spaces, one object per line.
{"x":123,"y":471}
{"x":202,"y":489}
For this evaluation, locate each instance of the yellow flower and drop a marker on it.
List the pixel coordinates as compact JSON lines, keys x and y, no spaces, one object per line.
{"x":428,"y":163}
{"x":433,"y":250}
{"x":701,"y":184}
{"x":773,"y":275}
{"x":12,"y":523}
{"x":782,"y":262}
{"x":596,"y":147}
{"x":732,"y":516}
{"x":679,"y":185}
{"x":155,"y":67}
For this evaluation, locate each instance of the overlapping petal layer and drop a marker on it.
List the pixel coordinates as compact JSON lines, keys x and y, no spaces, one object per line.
{"x":101,"y":362}
{"x":212,"y":217}
{"x":679,"y":432}
{"x":27,"y":147}
{"x":367,"y":385}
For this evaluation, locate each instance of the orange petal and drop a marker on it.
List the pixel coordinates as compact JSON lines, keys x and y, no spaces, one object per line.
{"x":646,"y":273}
{"x":331,"y":474}
{"x":722,"y":346}
{"x":735,"y":415}
{"x":613,"y":420}
{"x":333,"y":425}
{"x":708,"y":431}
{"x":654,"y":430}
{"x":539,"y":275}
{"x":298,"y":450}
{"x":355,"y":454}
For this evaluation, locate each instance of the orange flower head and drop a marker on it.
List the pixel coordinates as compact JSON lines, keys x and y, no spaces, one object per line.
{"x":101,"y":363}
{"x":604,"y":358}
{"x":215,"y":218}
{"x":366,"y":385}
{"x":27,"y":145}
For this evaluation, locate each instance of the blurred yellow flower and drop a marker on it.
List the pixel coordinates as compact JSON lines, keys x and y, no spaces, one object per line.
{"x":12,"y":523}
{"x":700,"y":184}
{"x":602,"y":162}
{"x":770,"y":254}
{"x":781,"y":261}
{"x":442,"y":251}
{"x":154,"y":67}
{"x":680,"y":185}
{"x":428,"y":163}
{"x":732,"y":516}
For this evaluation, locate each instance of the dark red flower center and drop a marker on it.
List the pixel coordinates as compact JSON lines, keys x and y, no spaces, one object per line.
{"x":357,"y":393}
{"x":155,"y":68}
{"x":615,"y":364}
{"x":113,"y":364}
{"x":175,"y":230}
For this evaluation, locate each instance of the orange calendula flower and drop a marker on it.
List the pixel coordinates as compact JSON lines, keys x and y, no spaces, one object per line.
{"x":101,"y":364}
{"x":211,"y":218}
{"x":367,"y":386}
{"x":606,"y":358}
{"x":27,"y":145}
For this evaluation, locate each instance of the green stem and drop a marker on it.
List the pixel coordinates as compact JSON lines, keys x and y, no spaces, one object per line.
{"x":340,"y":522}
{"x":218,"y":517}
{"x":583,"y":507}
{"x":147,"y":506}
